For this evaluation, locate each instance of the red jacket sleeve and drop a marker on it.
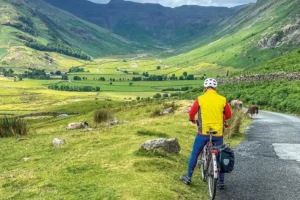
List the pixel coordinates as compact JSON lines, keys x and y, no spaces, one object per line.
{"x":227,"y":112}
{"x":194,"y":110}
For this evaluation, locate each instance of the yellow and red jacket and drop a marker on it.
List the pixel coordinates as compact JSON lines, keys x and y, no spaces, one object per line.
{"x":212,"y":110}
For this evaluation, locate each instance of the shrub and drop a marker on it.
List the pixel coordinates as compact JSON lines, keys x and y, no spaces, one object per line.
{"x":235,"y":123}
{"x":157,"y":96}
{"x":155,"y":113}
{"x":102,"y":116}
{"x":13,"y":126}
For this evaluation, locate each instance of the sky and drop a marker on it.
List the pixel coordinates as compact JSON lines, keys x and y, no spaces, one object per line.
{"x":175,"y":3}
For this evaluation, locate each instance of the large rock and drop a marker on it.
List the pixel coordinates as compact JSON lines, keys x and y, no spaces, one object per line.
{"x":290,"y":28}
{"x":270,"y":42}
{"x":57,"y":142}
{"x":168,"y":145}
{"x":77,"y":125}
{"x":167,"y":111}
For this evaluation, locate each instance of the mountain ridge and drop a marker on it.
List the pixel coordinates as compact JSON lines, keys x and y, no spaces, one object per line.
{"x":147,"y":23}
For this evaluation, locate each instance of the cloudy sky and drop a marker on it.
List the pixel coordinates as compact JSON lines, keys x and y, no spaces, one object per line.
{"x":174,"y":3}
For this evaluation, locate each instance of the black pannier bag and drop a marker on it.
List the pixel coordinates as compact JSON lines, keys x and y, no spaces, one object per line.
{"x":226,"y":159}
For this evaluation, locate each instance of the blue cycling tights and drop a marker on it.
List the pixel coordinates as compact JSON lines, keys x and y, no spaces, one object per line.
{"x":200,"y":142}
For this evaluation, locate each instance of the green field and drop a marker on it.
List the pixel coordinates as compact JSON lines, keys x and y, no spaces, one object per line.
{"x":104,"y":163}
{"x":137,"y":86}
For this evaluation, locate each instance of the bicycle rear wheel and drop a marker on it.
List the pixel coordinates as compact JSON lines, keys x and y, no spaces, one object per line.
{"x":212,"y":182}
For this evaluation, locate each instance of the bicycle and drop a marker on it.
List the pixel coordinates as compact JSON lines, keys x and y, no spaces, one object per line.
{"x":209,"y":165}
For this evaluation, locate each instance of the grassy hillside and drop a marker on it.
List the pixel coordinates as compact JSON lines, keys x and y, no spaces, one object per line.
{"x":258,"y":32}
{"x":104,"y":163}
{"x":40,"y":26}
{"x":289,"y":62}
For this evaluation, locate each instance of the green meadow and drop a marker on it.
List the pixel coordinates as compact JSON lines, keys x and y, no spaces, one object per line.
{"x":104,"y":163}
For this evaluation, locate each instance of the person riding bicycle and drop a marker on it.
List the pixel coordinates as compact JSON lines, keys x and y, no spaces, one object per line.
{"x":212,"y":110}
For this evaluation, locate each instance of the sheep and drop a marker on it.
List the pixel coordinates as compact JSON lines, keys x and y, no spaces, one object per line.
{"x":253,"y":110}
{"x":236,"y":104}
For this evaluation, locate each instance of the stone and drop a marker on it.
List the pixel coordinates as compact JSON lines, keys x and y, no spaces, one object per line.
{"x":26,"y":159}
{"x":187,"y":110}
{"x":77,"y":125}
{"x":63,"y":115}
{"x":112,"y":123}
{"x":168,"y":145}
{"x":167,"y":111}
{"x":58,"y":142}
{"x":20,"y":139}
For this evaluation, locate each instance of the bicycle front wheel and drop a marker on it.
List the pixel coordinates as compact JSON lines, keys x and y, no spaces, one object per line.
{"x":212,"y":181}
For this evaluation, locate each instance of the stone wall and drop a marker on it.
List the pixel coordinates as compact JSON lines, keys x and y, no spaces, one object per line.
{"x":262,"y":77}
{"x":47,"y":114}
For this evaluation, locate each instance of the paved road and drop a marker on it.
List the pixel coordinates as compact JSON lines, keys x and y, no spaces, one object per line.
{"x":267,"y":162}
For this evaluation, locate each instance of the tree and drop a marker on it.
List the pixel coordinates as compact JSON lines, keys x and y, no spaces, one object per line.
{"x":76,"y":78}
{"x":185,"y":74}
{"x":64,"y":77}
{"x":58,"y":73}
{"x":165,"y":96}
{"x":130,"y":84}
{"x":110,"y":83}
{"x":138,"y":98}
{"x":157,"y":96}
{"x":190,"y":77}
{"x":158,"y":68}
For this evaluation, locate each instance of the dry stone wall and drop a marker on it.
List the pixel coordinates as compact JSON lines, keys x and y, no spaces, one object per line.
{"x":262,"y":77}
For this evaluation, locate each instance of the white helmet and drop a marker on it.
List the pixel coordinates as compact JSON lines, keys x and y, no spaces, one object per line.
{"x":210,"y":82}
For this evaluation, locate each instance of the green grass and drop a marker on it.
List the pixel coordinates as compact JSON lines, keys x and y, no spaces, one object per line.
{"x":105,"y":163}
{"x":286,"y":63}
{"x":2,"y":52}
{"x":137,"y":86}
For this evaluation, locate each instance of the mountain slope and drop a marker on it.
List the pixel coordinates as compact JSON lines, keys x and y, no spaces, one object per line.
{"x":40,"y":26}
{"x":152,"y":24}
{"x":258,"y":32}
{"x":289,"y":62}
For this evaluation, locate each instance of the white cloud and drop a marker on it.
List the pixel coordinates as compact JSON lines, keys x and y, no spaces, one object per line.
{"x":174,"y":3}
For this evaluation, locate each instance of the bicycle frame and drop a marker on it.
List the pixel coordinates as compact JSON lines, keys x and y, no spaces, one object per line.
{"x":209,"y":166}
{"x":211,"y":154}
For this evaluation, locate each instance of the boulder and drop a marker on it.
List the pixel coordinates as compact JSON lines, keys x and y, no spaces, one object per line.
{"x":187,"y":110}
{"x":167,"y":111}
{"x":168,"y":145}
{"x":57,"y":142}
{"x":112,"y":123}
{"x":77,"y":125}
{"x":288,"y":29}
{"x":26,"y":159}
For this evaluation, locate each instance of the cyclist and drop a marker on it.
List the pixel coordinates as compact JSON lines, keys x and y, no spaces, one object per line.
{"x":212,"y":110}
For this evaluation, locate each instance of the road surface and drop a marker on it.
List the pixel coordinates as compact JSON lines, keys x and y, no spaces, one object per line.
{"x":267,"y":162}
